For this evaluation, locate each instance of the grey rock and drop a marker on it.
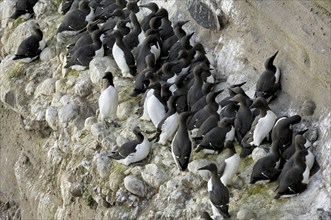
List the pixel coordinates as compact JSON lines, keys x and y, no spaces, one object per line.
{"x":67,"y":99}
{"x":134,"y":185}
{"x":78,"y":149}
{"x":205,"y":14}
{"x":68,"y":112}
{"x":40,"y":8}
{"x":108,"y":143}
{"x":245,"y":213}
{"x":10,"y":98}
{"x":98,"y":66}
{"x":192,"y":181}
{"x":6,"y":10}
{"x":77,"y":189}
{"x":122,"y":196}
{"x":196,"y":164}
{"x":47,"y":54}
{"x":136,"y":170}
{"x":311,"y":134}
{"x":115,"y":180}
{"x":178,"y":196}
{"x":103,"y":163}
{"x":153,"y":175}
{"x":308,"y":107}
{"x":60,"y":86}
{"x":83,"y":87}
{"x":55,"y":156}
{"x":98,"y":130}
{"x":51,"y":117}
{"x":38,"y":111}
{"x":89,"y":122}
{"x":47,"y":88}
{"x":258,"y":153}
{"x":124,"y":110}
{"x":30,"y":88}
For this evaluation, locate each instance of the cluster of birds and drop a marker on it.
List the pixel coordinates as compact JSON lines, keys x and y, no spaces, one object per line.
{"x":178,"y":90}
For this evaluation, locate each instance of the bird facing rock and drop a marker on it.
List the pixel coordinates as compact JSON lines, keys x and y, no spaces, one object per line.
{"x":268,"y":83}
{"x":30,"y":48}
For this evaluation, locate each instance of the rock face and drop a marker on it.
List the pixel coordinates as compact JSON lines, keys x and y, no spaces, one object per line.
{"x":50,"y":135}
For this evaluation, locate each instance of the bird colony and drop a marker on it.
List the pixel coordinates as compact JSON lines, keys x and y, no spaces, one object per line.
{"x":180,"y":106}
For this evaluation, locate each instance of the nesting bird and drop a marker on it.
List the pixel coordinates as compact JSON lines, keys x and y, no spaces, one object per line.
{"x":31,"y":47}
{"x":24,"y":7}
{"x":82,"y":57}
{"x":133,"y":151}
{"x":76,"y":20}
{"x":266,"y":168}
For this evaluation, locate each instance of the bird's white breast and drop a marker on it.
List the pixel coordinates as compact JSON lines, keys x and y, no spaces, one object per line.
{"x":263,"y":127}
{"x":145,"y":115}
{"x":108,"y":102}
{"x":230,"y":135}
{"x":309,"y":164}
{"x":169,"y":127}
{"x":120,"y":60}
{"x":156,"y":110}
{"x":231,"y":168}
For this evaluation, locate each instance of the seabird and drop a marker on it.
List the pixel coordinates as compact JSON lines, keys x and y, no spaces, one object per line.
{"x":108,"y":99}
{"x":181,"y":146}
{"x":261,"y":127}
{"x":269,"y":82}
{"x":267,"y":168}
{"x":133,"y":151}
{"x":31,"y":47}
{"x":219,"y":195}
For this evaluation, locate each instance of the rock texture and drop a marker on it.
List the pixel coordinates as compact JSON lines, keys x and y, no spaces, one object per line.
{"x":54,"y":148}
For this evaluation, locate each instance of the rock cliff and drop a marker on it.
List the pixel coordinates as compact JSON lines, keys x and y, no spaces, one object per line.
{"x":54,"y":149}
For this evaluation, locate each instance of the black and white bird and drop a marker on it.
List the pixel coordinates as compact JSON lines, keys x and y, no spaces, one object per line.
{"x":282,"y":131}
{"x":231,"y":164}
{"x":267,"y":168}
{"x":181,"y":146}
{"x":81,"y":58}
{"x":213,"y":141}
{"x":133,"y":151}
{"x":261,"y":127}
{"x":24,"y":7}
{"x":300,"y":143}
{"x":268,"y":83}
{"x":108,"y":100}
{"x":156,"y":108}
{"x":76,"y":20}
{"x":294,"y":179}
{"x":219,"y":195}
{"x":244,"y":117}
{"x":123,"y":56}
{"x":31,"y":47}
{"x":169,"y":124}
